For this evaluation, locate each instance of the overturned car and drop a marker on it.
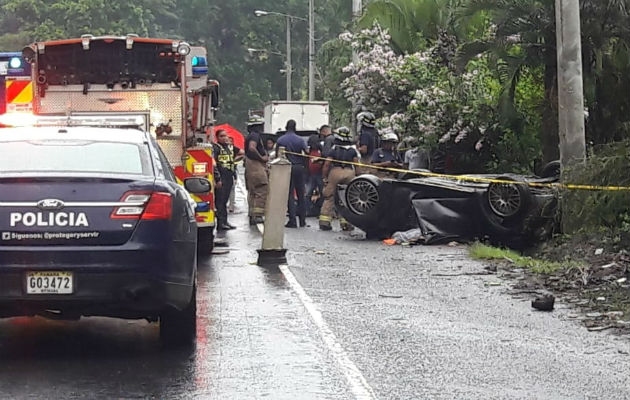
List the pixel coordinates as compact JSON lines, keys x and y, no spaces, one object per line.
{"x":512,"y":210}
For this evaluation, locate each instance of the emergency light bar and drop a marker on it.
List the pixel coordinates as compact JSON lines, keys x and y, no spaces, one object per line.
{"x":26,"y":120}
{"x":199,"y":66}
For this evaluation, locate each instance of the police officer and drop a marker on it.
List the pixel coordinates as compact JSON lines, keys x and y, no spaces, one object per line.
{"x":369,"y":139}
{"x":387,"y":156}
{"x":295,"y":145}
{"x":337,"y":171}
{"x":224,"y":157}
{"x":256,"y":178}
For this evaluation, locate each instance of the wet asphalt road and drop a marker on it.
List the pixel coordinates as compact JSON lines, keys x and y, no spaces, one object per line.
{"x":351,"y":318}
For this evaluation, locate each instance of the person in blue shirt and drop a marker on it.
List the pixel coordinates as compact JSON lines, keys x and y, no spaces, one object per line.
{"x":295,"y":144}
{"x":387,"y":156}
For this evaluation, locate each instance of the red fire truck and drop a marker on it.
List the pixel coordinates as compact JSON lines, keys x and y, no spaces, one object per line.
{"x":165,"y":82}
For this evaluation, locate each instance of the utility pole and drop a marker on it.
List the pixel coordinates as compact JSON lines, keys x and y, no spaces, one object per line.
{"x":570,"y":95}
{"x":289,"y":67}
{"x":357,"y":11}
{"x":570,"y":84}
{"x":311,"y":51}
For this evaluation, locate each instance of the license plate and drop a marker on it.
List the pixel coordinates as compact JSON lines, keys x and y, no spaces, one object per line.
{"x":49,"y":282}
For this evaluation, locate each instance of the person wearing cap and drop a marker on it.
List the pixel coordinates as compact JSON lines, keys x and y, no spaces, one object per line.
{"x":225,"y":162}
{"x":256,"y":178}
{"x":387,"y":156}
{"x":368,"y":137}
{"x":338,"y":169}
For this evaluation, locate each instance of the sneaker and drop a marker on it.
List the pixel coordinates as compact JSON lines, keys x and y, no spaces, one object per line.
{"x":291,"y":225}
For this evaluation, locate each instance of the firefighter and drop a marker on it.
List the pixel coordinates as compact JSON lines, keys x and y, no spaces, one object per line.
{"x":224,"y":157}
{"x":387,"y":156}
{"x":337,"y":171}
{"x":369,"y":138}
{"x":256,"y":178}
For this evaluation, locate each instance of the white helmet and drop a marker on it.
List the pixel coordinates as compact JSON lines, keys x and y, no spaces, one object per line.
{"x":388,"y":135}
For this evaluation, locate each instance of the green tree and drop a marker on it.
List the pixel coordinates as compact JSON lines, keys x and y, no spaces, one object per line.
{"x":523,"y":39}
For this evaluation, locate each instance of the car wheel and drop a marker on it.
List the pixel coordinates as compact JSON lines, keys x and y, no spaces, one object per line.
{"x":508,"y":200}
{"x":205,"y":240}
{"x":179,"y":328}
{"x":362,"y":195}
{"x":503,"y":207}
{"x":551,"y":170}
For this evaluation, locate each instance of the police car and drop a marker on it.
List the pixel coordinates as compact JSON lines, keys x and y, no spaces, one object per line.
{"x":93,"y":223}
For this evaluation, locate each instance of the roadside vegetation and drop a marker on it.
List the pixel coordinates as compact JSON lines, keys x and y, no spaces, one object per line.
{"x":480,"y":251}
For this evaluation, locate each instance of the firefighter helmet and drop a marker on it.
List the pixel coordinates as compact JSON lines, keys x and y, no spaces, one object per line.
{"x":343,"y":134}
{"x":367,"y":119}
{"x":388,"y":135}
{"x":255,"y":120}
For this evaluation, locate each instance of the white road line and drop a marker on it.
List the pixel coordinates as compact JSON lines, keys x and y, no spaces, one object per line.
{"x":358,"y":385}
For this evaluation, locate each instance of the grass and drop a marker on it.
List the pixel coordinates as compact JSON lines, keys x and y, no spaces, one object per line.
{"x":479,"y":251}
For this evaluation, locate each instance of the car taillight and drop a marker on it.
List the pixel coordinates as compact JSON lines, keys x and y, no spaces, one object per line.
{"x":144,"y":205}
{"x":137,"y":202}
{"x":159,"y":207}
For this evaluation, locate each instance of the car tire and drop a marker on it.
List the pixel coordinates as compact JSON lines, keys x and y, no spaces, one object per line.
{"x":179,"y":328}
{"x":503,"y":225}
{"x":508,"y":201}
{"x":551,"y":170}
{"x":363,"y":198}
{"x":205,"y":240}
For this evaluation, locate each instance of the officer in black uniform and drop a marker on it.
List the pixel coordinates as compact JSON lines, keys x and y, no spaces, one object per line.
{"x":224,"y":157}
{"x":338,"y":169}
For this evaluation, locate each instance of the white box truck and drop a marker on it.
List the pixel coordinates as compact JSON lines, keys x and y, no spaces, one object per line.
{"x":309,"y":116}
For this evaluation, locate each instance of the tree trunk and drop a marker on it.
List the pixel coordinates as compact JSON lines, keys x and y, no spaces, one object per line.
{"x":549,"y":134}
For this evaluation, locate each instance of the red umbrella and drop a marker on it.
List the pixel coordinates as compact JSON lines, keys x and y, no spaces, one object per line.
{"x":239,"y":139}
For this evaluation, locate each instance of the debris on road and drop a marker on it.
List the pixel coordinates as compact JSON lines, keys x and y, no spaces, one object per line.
{"x":544,"y":303}
{"x":390,"y":296}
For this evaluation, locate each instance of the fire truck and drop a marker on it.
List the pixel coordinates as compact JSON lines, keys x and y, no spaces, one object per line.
{"x":165,"y":82}
{"x":16,"y":92}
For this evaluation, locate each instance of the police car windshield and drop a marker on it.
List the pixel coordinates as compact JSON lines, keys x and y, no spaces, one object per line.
{"x":73,"y":156}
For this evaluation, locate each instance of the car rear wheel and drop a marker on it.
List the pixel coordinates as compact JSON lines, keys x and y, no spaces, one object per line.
{"x":508,"y":200}
{"x":503,"y":209}
{"x":179,"y":328}
{"x":362,"y":195}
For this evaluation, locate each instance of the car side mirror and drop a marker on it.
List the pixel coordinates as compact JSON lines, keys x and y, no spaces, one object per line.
{"x":197,"y":185}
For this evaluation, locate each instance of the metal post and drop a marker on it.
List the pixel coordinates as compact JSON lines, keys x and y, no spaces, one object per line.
{"x":570,"y":84}
{"x":273,"y":252}
{"x":289,"y":67}
{"x":311,"y":51}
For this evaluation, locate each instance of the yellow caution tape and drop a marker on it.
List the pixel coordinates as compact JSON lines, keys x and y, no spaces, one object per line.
{"x":469,"y":178}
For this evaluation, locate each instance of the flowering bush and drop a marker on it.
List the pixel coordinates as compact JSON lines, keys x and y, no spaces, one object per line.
{"x":369,"y":84}
{"x":422,"y":95}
